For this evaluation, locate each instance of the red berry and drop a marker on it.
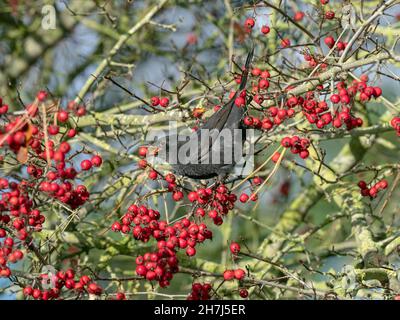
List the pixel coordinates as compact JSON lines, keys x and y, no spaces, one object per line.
{"x":239,"y":274}
{"x":265,"y":29}
{"x":329,"y":41}
{"x":256,"y":72}
{"x":228,"y":275}
{"x":243,"y":293}
{"x":71,"y":133}
{"x":62,"y":116}
{"x":3,"y":109}
{"x":240,"y":102}
{"x":120,"y":296}
{"x":53,"y":130}
{"x":28,"y":291}
{"x":377,"y":92}
{"x":164,"y":102}
{"x":275,"y":157}
{"x":329,"y":15}
{"x":96,"y":161}
{"x":335,"y":98}
{"x":170,"y":178}
{"x":153,"y":175}
{"x":263,"y":84}
{"x":177,"y":195}
{"x":285,"y":43}
{"x":235,"y":248}
{"x":298,"y":16}
{"x":243,"y":198}
{"x":248,"y":121}
{"x":155,"y":101}
{"x":193,"y":196}
{"x":383,"y":184}
{"x":373,"y":192}
{"x":304,"y":154}
{"x":81,"y":111}
{"x":362,"y":184}
{"x":265,"y":74}
{"x":249,"y":23}
{"x":41,"y":95}
{"x":190,"y":251}
{"x":86,"y":165}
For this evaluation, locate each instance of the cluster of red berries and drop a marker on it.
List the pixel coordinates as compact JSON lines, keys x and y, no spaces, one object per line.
{"x":256,"y":181}
{"x":330,"y":42}
{"x":72,"y":107}
{"x":313,"y":61}
{"x":372,"y":191}
{"x":8,"y":254}
{"x":358,"y":90}
{"x":16,"y":209}
{"x":216,"y":201}
{"x":237,"y":274}
{"x":240,"y":101}
{"x":297,"y":145}
{"x":263,"y":83}
{"x":163,"y":263}
{"x":200,"y":291}
{"x":249,"y":24}
{"x":160,"y":101}
{"x":177,"y":195}
{"x":95,"y":161}
{"x":317,"y":112}
{"x":59,"y":281}
{"x":244,"y":197}
{"x":66,"y":193}
{"x":23,"y":134}
{"x":38,"y":152}
{"x":395,"y":123}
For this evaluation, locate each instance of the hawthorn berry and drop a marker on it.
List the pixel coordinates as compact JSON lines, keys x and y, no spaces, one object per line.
{"x":243,"y":293}
{"x":235,"y":248}
{"x":276,"y":156}
{"x":155,"y":101}
{"x":164,"y":102}
{"x":249,"y":23}
{"x":243,"y":198}
{"x":86,"y":165}
{"x":298,"y":16}
{"x":62,"y":116}
{"x":96,"y":161}
{"x":239,"y":274}
{"x":329,"y":41}
{"x":228,"y":275}
{"x":285,"y":43}
{"x":265,"y":29}
{"x":329,"y":15}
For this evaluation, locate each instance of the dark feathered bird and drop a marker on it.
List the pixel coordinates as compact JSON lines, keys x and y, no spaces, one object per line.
{"x":212,"y":149}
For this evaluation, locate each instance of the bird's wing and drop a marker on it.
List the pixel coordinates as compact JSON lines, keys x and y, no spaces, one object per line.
{"x":219,"y":119}
{"x":226,"y":116}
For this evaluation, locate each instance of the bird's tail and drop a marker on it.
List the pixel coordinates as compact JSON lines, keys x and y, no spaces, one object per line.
{"x":245,"y":73}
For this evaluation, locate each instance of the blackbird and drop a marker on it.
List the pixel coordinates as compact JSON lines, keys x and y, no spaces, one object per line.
{"x":213,"y":149}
